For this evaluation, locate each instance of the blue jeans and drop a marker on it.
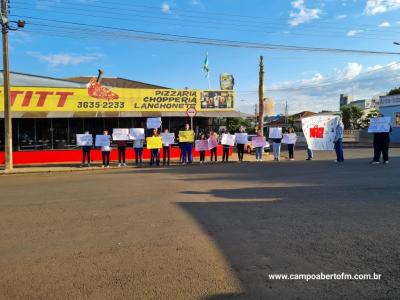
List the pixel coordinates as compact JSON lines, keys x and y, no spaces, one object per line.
{"x":277,"y":150}
{"x":259,"y":152}
{"x":339,"y":150}
{"x":139,"y":155}
{"x":310,"y":154}
{"x":187,"y":153}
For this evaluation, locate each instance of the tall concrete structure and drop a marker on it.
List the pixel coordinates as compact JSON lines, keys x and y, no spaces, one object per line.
{"x":269,"y":107}
{"x":344,"y":99}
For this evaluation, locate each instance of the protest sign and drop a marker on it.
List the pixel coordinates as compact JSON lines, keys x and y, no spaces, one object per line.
{"x":186,"y":136}
{"x":241,"y":138}
{"x":201,"y":145}
{"x":136,"y":134}
{"x":84,"y":139}
{"x":168,"y":138}
{"x":320,"y":131}
{"x":102,"y":140}
{"x":154,"y":142}
{"x":275,"y":133}
{"x":120,"y":134}
{"x":153,"y":123}
{"x":212,"y":143}
{"x":289,"y":138}
{"x":379,"y":125}
{"x":228,"y":139}
{"x":258,"y":141}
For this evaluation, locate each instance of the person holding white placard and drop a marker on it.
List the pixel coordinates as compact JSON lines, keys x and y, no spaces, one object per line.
{"x":291,"y":144}
{"x":121,"y":153}
{"x":381,"y":146}
{"x":105,"y":151}
{"x":86,"y":153}
{"x":225,"y":150}
{"x":276,"y":138}
{"x":240,"y":146}
{"x":166,"y":150}
{"x":138,"y":147}
{"x":202,"y":152}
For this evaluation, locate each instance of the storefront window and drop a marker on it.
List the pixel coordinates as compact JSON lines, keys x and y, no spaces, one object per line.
{"x":26,"y":134}
{"x":43,"y":134}
{"x":75,"y":126}
{"x":397,"y":119}
{"x":60,"y":133}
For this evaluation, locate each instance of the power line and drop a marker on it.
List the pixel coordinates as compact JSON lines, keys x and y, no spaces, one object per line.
{"x":158,"y":36}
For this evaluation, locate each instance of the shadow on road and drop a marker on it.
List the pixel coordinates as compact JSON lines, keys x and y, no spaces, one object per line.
{"x":314,"y":224}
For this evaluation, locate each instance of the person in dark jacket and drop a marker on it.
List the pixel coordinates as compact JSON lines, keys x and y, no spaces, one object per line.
{"x":381,"y":146}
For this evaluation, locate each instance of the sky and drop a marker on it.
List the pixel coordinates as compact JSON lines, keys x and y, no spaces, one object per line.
{"x":57,"y":42}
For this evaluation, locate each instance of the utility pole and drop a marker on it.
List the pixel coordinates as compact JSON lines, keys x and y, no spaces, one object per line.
{"x":6,"y":83}
{"x":261,"y":96}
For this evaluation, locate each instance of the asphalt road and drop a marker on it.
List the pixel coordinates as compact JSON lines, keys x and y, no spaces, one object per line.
{"x":203,"y":231}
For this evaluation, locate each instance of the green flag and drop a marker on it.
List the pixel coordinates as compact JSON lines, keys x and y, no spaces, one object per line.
{"x":205,"y":67}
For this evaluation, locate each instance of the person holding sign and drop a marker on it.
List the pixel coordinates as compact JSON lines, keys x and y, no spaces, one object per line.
{"x":155,"y":152}
{"x":166,"y":149}
{"x":275,"y":134}
{"x":105,"y":151}
{"x":203,"y":152}
{"x":240,"y":143}
{"x":213,"y":142}
{"x":291,"y":140}
{"x":86,"y":153}
{"x":121,"y":153}
{"x":227,"y":142}
{"x":381,"y":146}
{"x":339,"y":142}
{"x":258,"y":147}
{"x":186,"y":137}
{"x":138,"y":147}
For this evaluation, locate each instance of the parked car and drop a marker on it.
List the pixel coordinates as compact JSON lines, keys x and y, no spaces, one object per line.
{"x":249,"y":147}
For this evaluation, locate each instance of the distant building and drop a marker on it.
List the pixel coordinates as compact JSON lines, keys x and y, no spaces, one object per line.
{"x":365,"y":103}
{"x":269,"y":107}
{"x":389,"y":106}
{"x":293,"y":120}
{"x":344,"y":99}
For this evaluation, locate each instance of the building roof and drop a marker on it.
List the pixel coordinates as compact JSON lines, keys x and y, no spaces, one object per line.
{"x":117,"y":82}
{"x":23,"y":79}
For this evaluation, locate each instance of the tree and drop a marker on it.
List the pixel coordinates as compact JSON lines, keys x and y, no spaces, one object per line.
{"x":233,"y":124}
{"x":351,"y":116}
{"x":374,"y":113}
{"x":395,"y":91}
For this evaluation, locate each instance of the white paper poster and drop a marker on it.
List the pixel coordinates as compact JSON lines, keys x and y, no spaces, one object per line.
{"x":289,"y":138}
{"x":168,"y":138}
{"x":320,"y":131}
{"x":275,"y":133}
{"x":102,"y":140}
{"x":84,"y":139}
{"x":241,"y":138}
{"x":136,"y":134}
{"x":379,"y":125}
{"x":153,"y":123}
{"x":120,"y":134}
{"x":228,"y":139}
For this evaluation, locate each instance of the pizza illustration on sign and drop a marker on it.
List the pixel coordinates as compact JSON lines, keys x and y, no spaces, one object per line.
{"x":95,"y":90}
{"x":317,"y":132}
